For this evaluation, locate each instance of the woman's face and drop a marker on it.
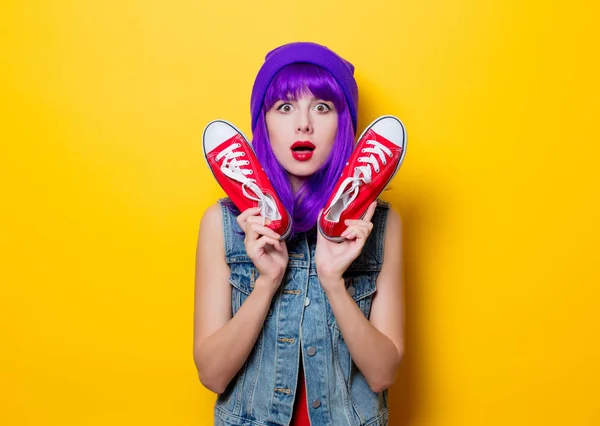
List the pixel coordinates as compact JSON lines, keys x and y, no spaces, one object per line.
{"x":302,"y":133}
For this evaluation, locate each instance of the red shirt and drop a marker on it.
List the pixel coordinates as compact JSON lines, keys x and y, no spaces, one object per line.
{"x":300,"y":414}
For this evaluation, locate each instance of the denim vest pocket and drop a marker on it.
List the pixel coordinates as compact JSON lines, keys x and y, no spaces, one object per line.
{"x":361,"y":285}
{"x":242,"y":277}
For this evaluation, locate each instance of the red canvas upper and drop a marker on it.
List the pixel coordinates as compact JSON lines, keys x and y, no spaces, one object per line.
{"x":237,"y":170}
{"x":363,"y":179}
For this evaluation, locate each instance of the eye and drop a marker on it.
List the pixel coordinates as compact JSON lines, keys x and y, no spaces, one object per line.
{"x":285,"y":107}
{"x":322,"y":107}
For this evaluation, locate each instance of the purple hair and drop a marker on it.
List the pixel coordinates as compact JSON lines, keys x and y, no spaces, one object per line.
{"x":294,"y":81}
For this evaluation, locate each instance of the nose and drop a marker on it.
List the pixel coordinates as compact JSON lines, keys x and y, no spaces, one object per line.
{"x":304,"y":124}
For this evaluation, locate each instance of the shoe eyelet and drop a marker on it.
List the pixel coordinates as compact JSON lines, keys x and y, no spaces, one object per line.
{"x":362,"y":150}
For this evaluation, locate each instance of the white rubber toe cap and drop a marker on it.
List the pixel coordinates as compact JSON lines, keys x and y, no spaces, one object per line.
{"x":392,"y":129}
{"x":215,"y":133}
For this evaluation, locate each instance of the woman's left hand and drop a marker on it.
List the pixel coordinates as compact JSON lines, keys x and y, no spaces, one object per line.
{"x":332,"y":259}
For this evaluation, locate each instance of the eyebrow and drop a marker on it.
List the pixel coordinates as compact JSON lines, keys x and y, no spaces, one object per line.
{"x":312,"y":98}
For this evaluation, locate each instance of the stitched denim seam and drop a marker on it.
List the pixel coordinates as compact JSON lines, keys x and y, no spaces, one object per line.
{"x":255,"y":381}
{"x":339,"y":375}
{"x":222,"y":414}
{"x":377,"y":419}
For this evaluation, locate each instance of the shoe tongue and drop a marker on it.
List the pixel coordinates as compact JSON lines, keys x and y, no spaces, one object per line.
{"x":345,"y":198}
{"x":269,"y":207}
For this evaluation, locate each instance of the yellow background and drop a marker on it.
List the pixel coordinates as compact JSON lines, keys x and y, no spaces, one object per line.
{"x":103,"y":185}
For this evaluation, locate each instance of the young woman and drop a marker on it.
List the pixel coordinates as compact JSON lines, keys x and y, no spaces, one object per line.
{"x":291,"y":325}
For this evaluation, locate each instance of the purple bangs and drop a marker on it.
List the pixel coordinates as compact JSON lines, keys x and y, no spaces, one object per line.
{"x":294,"y":81}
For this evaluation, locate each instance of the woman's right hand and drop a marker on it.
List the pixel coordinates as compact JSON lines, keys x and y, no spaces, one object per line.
{"x":269,"y":255}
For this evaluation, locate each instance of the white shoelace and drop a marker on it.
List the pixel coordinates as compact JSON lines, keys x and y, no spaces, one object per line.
{"x":232,"y":168}
{"x":349,"y":188}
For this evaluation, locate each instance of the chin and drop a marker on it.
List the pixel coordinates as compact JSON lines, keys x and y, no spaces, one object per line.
{"x":304,"y":170}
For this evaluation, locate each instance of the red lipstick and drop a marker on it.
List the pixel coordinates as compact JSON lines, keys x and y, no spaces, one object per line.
{"x":303,"y":145}
{"x":302,"y":150}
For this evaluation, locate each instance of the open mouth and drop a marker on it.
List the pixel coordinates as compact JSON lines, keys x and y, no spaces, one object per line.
{"x":303,"y":150}
{"x":303,"y":146}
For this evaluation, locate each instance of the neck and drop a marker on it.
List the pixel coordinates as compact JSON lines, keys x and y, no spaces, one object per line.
{"x":296,"y":182}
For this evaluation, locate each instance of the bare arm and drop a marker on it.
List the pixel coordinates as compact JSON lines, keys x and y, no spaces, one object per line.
{"x":376,"y":345}
{"x":222,"y":342}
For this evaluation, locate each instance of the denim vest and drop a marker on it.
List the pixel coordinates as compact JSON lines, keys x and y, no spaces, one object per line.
{"x":300,"y":327}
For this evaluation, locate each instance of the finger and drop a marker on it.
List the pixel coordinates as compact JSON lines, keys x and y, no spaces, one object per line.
{"x":264,"y":241}
{"x":349,"y":233}
{"x":243,"y":217}
{"x":362,"y":234}
{"x":360,"y":223}
{"x":356,"y":235}
{"x":256,"y":229}
{"x":259,"y":219}
{"x":357,"y":231}
{"x":370,"y":211}
{"x":277,"y":245}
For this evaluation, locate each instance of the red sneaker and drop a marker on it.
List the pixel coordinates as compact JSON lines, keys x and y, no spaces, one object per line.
{"x":233,"y":163}
{"x":375,"y":160}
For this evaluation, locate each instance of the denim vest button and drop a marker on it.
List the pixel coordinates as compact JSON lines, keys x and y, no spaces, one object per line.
{"x":316,"y":403}
{"x":311,"y":351}
{"x":306,"y":301}
{"x":351,"y":291}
